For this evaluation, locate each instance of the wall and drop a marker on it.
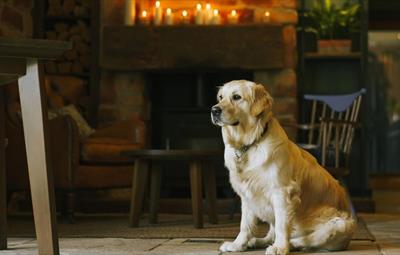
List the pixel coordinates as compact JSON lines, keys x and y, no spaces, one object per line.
{"x":123,"y":94}
{"x":16,"y":18}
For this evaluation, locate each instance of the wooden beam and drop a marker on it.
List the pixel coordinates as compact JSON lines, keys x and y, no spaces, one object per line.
{"x":249,"y":47}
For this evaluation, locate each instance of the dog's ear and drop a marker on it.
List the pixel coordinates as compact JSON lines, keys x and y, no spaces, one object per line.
{"x":262,"y":101}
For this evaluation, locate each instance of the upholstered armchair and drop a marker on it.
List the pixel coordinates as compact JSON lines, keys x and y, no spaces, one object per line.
{"x":79,"y":162}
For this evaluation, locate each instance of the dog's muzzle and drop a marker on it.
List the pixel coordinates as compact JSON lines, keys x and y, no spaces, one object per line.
{"x":216,"y":113}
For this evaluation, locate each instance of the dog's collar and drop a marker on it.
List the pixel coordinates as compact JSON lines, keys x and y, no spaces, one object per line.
{"x":242,"y":150}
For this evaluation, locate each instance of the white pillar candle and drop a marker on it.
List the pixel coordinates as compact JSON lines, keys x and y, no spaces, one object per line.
{"x":157,"y":14}
{"x":130,"y":12}
{"x":233,"y":17}
{"x":216,"y":19}
{"x":169,"y":17}
{"x":208,"y":15}
{"x":185,"y":17}
{"x":144,"y":18}
{"x":267,"y":17}
{"x":199,"y":16}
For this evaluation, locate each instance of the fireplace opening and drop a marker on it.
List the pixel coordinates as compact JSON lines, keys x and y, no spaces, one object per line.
{"x":180,"y":119}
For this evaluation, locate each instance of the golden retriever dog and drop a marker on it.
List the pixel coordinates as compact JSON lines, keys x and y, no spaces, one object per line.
{"x":277,"y":181}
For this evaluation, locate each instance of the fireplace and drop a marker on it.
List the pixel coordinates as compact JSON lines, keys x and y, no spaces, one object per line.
{"x":180,"y":111}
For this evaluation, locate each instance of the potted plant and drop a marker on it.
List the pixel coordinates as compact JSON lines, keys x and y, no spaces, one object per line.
{"x":333,"y":24}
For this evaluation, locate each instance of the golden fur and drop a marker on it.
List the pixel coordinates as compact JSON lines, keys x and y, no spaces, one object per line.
{"x":277,"y":181}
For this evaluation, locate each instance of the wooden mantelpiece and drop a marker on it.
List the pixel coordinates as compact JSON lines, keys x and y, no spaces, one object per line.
{"x":141,"y":48}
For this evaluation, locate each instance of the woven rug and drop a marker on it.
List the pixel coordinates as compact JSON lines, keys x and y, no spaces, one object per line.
{"x":169,"y":226}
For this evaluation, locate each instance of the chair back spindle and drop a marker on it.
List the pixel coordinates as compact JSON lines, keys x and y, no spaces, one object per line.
{"x":335,"y":119}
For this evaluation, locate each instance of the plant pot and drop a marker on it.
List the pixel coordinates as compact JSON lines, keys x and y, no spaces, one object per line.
{"x":334,"y":46}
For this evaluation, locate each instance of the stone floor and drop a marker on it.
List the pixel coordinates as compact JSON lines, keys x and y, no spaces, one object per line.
{"x":385,"y":229}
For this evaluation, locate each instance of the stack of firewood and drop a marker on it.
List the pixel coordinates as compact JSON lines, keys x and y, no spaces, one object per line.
{"x":69,"y":7}
{"x":76,"y":60}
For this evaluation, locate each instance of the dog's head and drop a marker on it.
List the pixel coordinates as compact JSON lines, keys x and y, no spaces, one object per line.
{"x":240,"y":102}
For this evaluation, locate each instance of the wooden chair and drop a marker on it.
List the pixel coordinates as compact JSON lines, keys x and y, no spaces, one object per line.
{"x":330,"y":132}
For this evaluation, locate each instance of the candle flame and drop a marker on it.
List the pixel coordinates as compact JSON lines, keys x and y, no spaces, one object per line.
{"x":169,"y":11}
{"x":233,"y":13}
{"x":216,"y":12}
{"x":208,"y":6}
{"x":144,"y":14}
{"x":184,"y":13}
{"x":158,"y":4}
{"x":267,"y":14}
{"x":198,"y":7}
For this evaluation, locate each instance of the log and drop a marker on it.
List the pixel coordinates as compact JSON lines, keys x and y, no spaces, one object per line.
{"x":71,"y":54}
{"x":85,"y":60}
{"x":68,"y":6}
{"x":77,"y":67}
{"x":50,"y":67}
{"x":64,"y":67}
{"x":51,"y":35}
{"x":60,"y":27}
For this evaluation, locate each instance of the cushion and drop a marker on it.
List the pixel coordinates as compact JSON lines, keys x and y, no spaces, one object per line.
{"x":83,"y":127}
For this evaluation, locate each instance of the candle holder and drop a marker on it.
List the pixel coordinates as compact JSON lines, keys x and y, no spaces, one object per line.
{"x":208,"y":14}
{"x":169,"y":17}
{"x":267,"y":17}
{"x":130,"y":12}
{"x":216,"y":19}
{"x":144,"y":18}
{"x":157,"y":20}
{"x":199,"y":15}
{"x":233,"y":17}
{"x":185,"y":17}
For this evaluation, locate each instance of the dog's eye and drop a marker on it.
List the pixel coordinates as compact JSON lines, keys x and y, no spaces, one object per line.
{"x":236,"y":97}
{"x":220,"y":97}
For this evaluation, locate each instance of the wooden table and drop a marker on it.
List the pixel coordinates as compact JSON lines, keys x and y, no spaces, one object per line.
{"x":19,"y":61}
{"x":199,"y":167}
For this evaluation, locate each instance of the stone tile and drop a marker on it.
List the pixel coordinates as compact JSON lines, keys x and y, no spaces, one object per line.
{"x":386,"y":230}
{"x":198,"y":246}
{"x":87,"y":246}
{"x":355,"y":248}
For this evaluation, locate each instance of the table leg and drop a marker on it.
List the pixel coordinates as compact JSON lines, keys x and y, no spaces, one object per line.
{"x":34,"y":116}
{"x":139,"y":181}
{"x":210,"y":188}
{"x":155,"y":191}
{"x":197,"y":198}
{"x":3,"y":189}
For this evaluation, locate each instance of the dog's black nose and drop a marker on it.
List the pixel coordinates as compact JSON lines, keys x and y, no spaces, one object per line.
{"x":216,"y":110}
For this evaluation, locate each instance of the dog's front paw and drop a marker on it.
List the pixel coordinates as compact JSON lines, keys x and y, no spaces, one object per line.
{"x":275,"y":250}
{"x":232,"y":247}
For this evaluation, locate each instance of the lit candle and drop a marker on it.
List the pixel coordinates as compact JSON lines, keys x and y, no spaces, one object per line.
{"x":185,"y":17}
{"x":216,"y":19}
{"x":233,"y":17}
{"x":199,"y":17}
{"x":208,"y":14}
{"x":144,"y":18}
{"x":157,"y":14}
{"x":267,"y":16}
{"x":169,"y":17}
{"x":130,"y":12}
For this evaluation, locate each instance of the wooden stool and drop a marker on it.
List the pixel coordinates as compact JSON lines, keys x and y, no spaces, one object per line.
{"x":197,"y":159}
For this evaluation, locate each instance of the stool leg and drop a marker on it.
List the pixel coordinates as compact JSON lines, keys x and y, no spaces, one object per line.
{"x":210,"y":188}
{"x":155,"y":191}
{"x":197,"y":200}
{"x":140,"y":174}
